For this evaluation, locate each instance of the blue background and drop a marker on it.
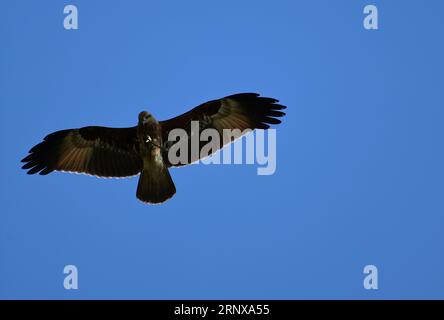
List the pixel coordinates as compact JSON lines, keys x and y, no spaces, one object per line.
{"x":359,"y":161}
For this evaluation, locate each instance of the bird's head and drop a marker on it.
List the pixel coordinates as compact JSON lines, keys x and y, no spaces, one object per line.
{"x":145,"y":117}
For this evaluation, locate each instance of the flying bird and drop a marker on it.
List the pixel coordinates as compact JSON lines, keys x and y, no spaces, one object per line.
{"x":143,"y":149}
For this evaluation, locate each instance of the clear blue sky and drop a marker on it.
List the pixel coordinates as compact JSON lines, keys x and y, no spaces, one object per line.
{"x":359,"y":178}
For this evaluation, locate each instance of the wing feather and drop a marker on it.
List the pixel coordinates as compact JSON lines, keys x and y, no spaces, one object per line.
{"x":240,"y":111}
{"x":99,"y":151}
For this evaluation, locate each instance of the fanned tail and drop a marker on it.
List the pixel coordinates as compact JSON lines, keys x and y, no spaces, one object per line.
{"x":155,"y":185}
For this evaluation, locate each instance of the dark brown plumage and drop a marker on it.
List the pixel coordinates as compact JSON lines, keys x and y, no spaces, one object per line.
{"x":123,"y":152}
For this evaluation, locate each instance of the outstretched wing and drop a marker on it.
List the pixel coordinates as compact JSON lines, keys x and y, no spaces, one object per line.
{"x":98,"y":151}
{"x":240,"y":111}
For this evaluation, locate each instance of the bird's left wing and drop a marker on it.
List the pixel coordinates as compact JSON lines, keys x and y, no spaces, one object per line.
{"x":98,"y":151}
{"x":240,"y":111}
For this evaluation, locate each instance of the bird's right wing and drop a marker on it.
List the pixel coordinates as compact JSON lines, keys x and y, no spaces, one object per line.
{"x":243,"y":111}
{"x":98,"y":151}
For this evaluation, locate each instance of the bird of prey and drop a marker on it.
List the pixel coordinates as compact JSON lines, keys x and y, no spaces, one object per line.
{"x":143,"y":149}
